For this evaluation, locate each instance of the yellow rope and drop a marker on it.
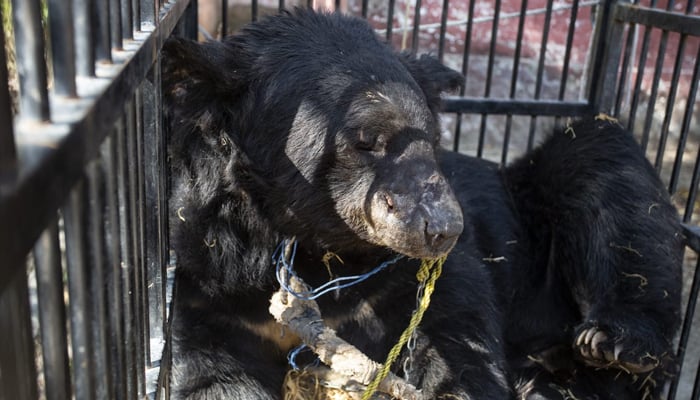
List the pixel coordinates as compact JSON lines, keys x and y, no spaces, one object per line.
{"x":428,"y":273}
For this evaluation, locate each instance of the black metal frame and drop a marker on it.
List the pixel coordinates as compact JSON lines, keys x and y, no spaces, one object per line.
{"x":83,"y":172}
{"x":87,"y":160}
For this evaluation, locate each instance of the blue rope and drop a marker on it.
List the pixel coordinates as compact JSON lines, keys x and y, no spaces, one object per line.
{"x":336,"y":284}
{"x":291,"y":357}
{"x":280,"y":261}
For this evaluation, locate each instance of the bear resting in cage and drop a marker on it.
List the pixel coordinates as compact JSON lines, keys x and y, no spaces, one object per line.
{"x":563,"y":275}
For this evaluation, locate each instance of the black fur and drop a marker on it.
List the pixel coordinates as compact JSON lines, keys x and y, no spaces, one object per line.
{"x":306,"y":125}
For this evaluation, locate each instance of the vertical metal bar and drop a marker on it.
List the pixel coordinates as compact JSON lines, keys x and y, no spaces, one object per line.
{"x":443,"y":28}
{"x":685,"y":127}
{"x":113,"y":272}
{"x":127,"y":19}
{"x":135,"y":192}
{"x":465,"y":70}
{"x":153,"y":176}
{"x":514,"y":78}
{"x":189,"y":21}
{"x":136,"y":15}
{"x":254,"y":10}
{"x":163,"y":229}
{"x":416,"y":27}
{"x":365,"y":4}
{"x":671,"y":98}
{"x":84,"y":30}
{"x":569,"y":44}
{"x":489,"y":75}
{"x":280,"y":6}
{"x":540,"y":71}
{"x":606,"y":60}
{"x":658,"y":69}
{"x":52,"y":314}
{"x":468,"y":40}
{"x":163,"y":385}
{"x":390,"y":20}
{"x":670,"y":103}
{"x":77,"y":287}
{"x":141,"y":276}
{"x":457,"y":131}
{"x":62,"y":47}
{"x":95,"y":187}
{"x":224,"y":17}
{"x":103,"y":49}
{"x":567,"y":55}
{"x":148,"y":11}
{"x":29,"y":45}
{"x":637,"y":91}
{"x":163,"y":209}
{"x":17,"y":367}
{"x":624,"y":70}
{"x":692,"y":196}
{"x":127,"y":258}
{"x":696,"y":387}
{"x":686,"y":328}
{"x":115,"y":24}
{"x":8,"y":151}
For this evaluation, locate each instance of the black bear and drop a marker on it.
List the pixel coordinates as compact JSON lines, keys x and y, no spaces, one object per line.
{"x":563,"y":278}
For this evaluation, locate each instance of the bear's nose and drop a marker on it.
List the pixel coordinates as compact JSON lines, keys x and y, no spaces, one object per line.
{"x":442,"y":232}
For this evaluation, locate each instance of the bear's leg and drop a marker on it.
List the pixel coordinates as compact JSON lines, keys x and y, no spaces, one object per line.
{"x":204,"y":375}
{"x":220,"y":354}
{"x":614,"y":240}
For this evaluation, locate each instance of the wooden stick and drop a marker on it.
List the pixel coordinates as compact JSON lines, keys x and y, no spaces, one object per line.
{"x":303,"y":317}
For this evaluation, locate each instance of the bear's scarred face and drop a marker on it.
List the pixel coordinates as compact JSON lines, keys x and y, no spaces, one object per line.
{"x":383,"y":175}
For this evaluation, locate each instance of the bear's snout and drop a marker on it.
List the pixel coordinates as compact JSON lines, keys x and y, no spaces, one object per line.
{"x":423,"y":224}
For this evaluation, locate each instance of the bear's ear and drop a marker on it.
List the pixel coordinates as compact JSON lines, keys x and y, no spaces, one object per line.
{"x":433,"y":77}
{"x":201,"y":79}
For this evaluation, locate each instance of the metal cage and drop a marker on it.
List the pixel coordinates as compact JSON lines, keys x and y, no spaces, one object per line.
{"x":84,"y":276}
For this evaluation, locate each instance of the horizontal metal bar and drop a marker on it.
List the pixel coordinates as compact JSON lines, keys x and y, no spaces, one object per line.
{"x":479,"y":105}
{"x":666,"y":20}
{"x":53,"y":156}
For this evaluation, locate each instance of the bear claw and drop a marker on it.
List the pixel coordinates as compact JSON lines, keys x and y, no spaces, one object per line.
{"x":595,"y":349}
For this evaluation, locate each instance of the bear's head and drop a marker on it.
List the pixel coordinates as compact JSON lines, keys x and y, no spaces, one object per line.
{"x":332,"y":135}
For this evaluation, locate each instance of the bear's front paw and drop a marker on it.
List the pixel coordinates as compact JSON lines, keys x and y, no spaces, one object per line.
{"x":599,"y":348}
